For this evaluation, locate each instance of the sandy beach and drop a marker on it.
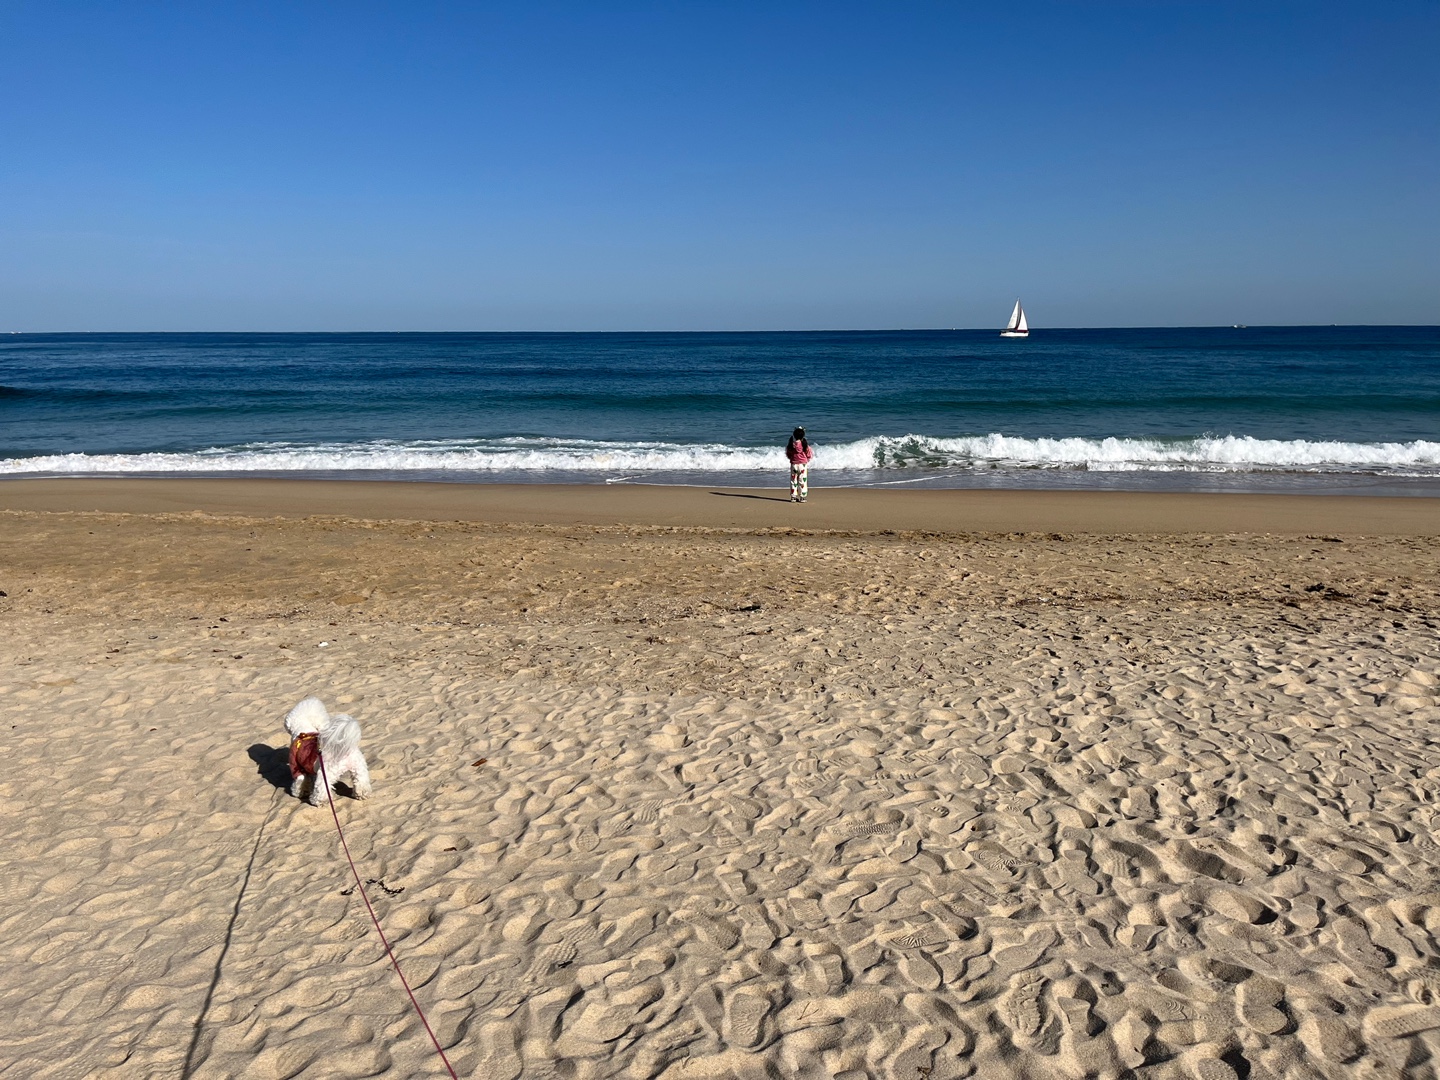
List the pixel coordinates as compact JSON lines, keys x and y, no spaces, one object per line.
{"x":893,"y":785}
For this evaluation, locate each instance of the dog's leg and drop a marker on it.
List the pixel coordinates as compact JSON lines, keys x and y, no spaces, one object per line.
{"x":297,"y":787}
{"x":362,"y":779}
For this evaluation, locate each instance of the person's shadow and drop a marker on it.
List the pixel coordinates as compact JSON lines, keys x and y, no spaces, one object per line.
{"x":740,"y":495}
{"x":273,"y":764}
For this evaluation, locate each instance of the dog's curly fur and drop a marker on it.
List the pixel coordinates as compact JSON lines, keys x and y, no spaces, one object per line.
{"x":339,"y":747}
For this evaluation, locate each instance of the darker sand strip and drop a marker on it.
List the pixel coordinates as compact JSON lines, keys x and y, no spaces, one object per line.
{"x":848,"y":509}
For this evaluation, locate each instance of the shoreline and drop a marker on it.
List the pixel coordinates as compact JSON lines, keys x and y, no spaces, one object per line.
{"x":859,"y":510}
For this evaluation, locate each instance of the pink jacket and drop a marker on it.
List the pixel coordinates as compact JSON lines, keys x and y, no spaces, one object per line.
{"x":798,"y":454}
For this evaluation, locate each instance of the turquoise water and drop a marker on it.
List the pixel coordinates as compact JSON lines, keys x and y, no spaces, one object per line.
{"x":1302,"y":408}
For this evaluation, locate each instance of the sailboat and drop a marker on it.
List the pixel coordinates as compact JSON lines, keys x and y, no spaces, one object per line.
{"x":1017,"y":327}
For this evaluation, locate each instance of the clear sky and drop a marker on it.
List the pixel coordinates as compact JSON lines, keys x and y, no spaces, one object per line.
{"x":729,"y":165}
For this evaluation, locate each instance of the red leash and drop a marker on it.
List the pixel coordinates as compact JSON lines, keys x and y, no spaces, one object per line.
{"x":388,"y":951}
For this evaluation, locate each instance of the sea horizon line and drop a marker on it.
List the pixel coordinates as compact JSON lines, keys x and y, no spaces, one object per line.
{"x":673,"y":333}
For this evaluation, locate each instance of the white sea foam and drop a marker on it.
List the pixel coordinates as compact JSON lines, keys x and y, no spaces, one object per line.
{"x":499,"y":455}
{"x":1228,"y":453}
{"x":1221,"y":454}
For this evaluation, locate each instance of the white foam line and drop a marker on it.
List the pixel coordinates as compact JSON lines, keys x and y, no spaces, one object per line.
{"x":913,"y":480}
{"x":625,"y":461}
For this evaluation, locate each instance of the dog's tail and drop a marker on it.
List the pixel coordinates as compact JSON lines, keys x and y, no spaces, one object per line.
{"x":341,"y":736}
{"x":309,"y":715}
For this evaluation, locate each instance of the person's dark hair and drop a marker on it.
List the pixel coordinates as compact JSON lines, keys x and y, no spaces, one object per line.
{"x":797,"y":436}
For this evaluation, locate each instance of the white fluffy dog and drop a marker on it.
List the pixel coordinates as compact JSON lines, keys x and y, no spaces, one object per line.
{"x":314,"y":733}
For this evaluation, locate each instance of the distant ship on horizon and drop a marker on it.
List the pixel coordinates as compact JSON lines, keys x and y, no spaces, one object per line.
{"x":1017,"y":327}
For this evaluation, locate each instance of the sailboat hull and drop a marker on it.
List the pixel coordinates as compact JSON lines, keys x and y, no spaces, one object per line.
{"x":1014,"y":333}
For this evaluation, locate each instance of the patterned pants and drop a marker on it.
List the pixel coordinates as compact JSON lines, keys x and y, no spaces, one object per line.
{"x":799,"y":482}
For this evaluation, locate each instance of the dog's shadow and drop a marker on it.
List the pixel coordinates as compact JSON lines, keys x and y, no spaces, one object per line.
{"x":273,"y":764}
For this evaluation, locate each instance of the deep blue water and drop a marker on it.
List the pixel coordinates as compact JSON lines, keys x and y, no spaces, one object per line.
{"x":1313,"y":408}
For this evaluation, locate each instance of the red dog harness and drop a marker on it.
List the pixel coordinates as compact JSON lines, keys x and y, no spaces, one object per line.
{"x":305,"y":755}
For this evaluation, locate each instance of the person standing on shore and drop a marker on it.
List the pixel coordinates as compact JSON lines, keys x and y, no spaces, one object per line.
{"x":799,"y":452}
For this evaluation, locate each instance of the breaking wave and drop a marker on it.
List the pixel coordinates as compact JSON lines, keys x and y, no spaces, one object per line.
{"x":539,"y":456}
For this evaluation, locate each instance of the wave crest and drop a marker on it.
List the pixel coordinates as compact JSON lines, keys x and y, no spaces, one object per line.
{"x":1208,"y":453}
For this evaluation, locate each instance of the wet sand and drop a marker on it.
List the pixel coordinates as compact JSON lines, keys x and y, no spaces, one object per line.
{"x":856,"y":509}
{"x":924,"y":784}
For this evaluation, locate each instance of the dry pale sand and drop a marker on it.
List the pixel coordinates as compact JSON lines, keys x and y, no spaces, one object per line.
{"x":758,"y":803}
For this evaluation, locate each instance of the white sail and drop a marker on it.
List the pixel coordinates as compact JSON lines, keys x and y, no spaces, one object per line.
{"x":1017,"y":326}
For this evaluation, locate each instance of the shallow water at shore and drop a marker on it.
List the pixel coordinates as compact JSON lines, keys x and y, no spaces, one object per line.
{"x":1272,"y":483}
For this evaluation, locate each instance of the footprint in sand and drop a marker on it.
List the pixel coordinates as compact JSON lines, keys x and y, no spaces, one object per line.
{"x":1140,"y":936}
{"x":919,"y":939}
{"x":1304,"y":912}
{"x":1071,"y":871}
{"x":196,"y":944}
{"x":330,"y":954}
{"x":1021,"y":1006}
{"x":1259,"y":1005}
{"x":823,"y":972}
{"x":1115,"y":864}
{"x":1168,"y":1010}
{"x":807,"y":912}
{"x":1028,"y":953}
{"x":84,"y":1067}
{"x":880,"y":829}
{"x":916,"y":1058}
{"x":787,"y":875}
{"x":758,"y":932}
{"x":229,"y":847}
{"x":1078,"y":1017}
{"x":601,"y":1021}
{"x":1400,"y":1022}
{"x":1206,"y":1066}
{"x":920,"y":971}
{"x":1206,"y":804}
{"x":745,"y":1013}
{"x":552,"y":958}
{"x":14,"y":890}
{"x":613,"y":827}
{"x":717,"y":933}
{"x":1355,"y":945}
{"x":1329,"y":1039}
{"x":580,"y":935}
{"x":999,"y":863}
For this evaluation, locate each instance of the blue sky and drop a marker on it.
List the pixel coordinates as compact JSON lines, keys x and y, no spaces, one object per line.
{"x":423,"y":166}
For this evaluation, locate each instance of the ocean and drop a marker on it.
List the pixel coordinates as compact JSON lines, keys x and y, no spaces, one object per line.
{"x":1312,"y":409}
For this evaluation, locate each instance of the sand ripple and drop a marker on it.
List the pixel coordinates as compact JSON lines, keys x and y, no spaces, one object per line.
{"x":1093,"y":839}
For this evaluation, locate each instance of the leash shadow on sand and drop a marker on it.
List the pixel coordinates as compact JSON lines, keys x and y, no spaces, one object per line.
{"x":265,"y":761}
